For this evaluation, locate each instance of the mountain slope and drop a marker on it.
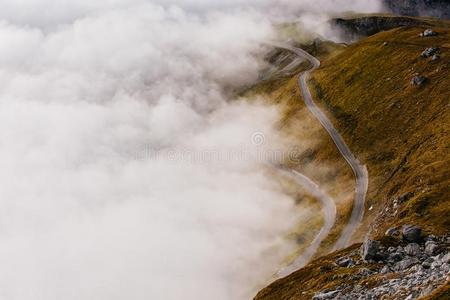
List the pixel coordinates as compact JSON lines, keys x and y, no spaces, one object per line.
{"x":401,"y":131}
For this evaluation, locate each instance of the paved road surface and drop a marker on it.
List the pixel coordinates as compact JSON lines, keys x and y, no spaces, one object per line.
{"x":329,"y":213}
{"x":360,"y":171}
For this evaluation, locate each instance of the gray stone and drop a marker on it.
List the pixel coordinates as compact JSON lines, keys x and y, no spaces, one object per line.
{"x":412,"y":233}
{"x":418,"y":80}
{"x":431,"y":248}
{"x":392,"y":232}
{"x":429,"y":52}
{"x":344,"y":262}
{"x":436,"y":264}
{"x":446,"y":258}
{"x":406,"y":263}
{"x":428,"y":33}
{"x":435,"y":57}
{"x":412,"y":249}
{"x":328,"y":295}
{"x":430,"y":238}
{"x":385,"y":270}
{"x":417,"y":269}
{"x":364,"y":272}
{"x":369,"y":250}
{"x":396,"y":256}
{"x":427,"y":263}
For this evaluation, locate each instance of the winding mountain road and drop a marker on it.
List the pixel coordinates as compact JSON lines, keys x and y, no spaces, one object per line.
{"x":329,"y":213}
{"x":359,"y":170}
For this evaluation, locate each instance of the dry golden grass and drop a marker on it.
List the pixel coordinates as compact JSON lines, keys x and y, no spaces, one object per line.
{"x":401,"y":132}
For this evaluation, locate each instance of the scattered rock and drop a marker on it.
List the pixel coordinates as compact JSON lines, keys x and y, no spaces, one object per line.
{"x":417,"y":268}
{"x":412,"y":249}
{"x":391,"y":249}
{"x":431,"y":237}
{"x":405,"y":197}
{"x":364,"y":272}
{"x":428,"y":33}
{"x":385,"y":43}
{"x":435,"y":57}
{"x":392,"y":232}
{"x":412,"y":233}
{"x":446,"y":258}
{"x":323,"y":296}
{"x":429,"y":52}
{"x":405,"y":272}
{"x":396,"y":256}
{"x":344,"y":262}
{"x":406,"y":263}
{"x":427,"y":263}
{"x":418,"y":80}
{"x":369,"y":250}
{"x":431,"y":248}
{"x":436,"y":264}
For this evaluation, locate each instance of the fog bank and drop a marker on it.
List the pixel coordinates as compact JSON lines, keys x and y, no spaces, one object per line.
{"x":101,"y":106}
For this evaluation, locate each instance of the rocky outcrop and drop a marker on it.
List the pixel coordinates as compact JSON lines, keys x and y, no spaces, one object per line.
{"x":365,"y":26}
{"x":413,"y":270}
{"x":430,"y":8}
{"x":412,"y":233}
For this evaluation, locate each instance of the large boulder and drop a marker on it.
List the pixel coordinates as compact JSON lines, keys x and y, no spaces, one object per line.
{"x":370,"y":249}
{"x":412,"y":233}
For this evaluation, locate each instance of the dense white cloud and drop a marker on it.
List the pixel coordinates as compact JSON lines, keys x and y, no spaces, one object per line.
{"x":88,"y":210}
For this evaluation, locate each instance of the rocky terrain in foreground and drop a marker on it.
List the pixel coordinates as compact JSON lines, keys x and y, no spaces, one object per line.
{"x":409,"y":268}
{"x":404,"y":264}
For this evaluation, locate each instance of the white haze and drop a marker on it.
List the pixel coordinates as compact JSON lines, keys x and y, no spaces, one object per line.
{"x":85,"y":87}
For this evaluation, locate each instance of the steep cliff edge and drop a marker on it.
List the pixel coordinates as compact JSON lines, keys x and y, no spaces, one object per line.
{"x":430,"y":8}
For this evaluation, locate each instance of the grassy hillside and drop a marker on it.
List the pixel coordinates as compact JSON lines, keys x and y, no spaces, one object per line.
{"x":308,"y":140}
{"x":401,"y":131}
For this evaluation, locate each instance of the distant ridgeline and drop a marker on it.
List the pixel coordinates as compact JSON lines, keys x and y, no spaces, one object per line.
{"x":430,"y":8}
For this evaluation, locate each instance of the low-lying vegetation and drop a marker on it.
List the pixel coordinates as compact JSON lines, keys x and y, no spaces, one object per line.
{"x":398,"y":128}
